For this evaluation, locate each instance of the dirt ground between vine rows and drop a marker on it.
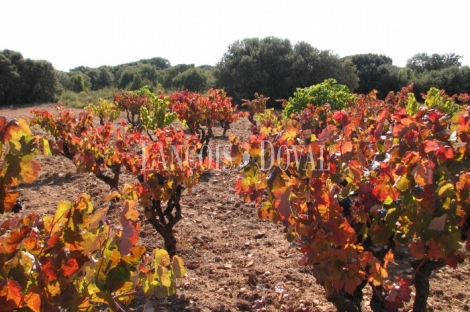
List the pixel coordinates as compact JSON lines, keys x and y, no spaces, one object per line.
{"x":234,"y":261}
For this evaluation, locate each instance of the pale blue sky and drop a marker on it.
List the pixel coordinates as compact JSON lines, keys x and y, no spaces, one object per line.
{"x":101,"y":32}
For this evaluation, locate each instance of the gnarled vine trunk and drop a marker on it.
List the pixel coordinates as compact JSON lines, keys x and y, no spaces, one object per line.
{"x":225,"y":125}
{"x":163,"y":220}
{"x":346,"y":302}
{"x":423,"y":270}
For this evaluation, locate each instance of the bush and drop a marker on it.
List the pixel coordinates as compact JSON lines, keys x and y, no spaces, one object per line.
{"x":337,"y":95}
{"x":353,"y":187}
{"x":193,"y":79}
{"x":438,"y":99}
{"x":78,"y":83}
{"x":79,"y":100}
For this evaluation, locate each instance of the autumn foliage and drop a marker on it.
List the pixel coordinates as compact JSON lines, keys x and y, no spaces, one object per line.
{"x":76,"y":259}
{"x":144,"y":110}
{"x":352,"y":186}
{"x":18,"y":146}
{"x":200,"y":113}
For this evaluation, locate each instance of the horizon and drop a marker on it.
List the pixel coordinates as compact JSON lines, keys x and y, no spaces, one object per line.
{"x":90,"y":34}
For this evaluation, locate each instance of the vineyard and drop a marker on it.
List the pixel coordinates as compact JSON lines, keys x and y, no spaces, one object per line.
{"x":155,"y":202}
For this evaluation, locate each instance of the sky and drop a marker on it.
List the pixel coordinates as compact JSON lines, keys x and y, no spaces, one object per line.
{"x":104,"y":32}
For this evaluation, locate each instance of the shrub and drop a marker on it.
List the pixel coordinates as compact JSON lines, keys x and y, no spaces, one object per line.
{"x":337,"y":95}
{"x":78,"y":83}
{"x":436,"y":98}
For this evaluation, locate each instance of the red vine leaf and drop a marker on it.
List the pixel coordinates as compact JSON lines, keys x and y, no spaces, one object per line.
{"x":282,"y":202}
{"x":33,"y":301}
{"x":70,"y":267}
{"x":10,"y":294}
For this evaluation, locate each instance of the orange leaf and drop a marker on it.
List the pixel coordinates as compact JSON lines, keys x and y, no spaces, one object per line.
{"x":445,"y":152}
{"x":53,"y":240}
{"x":434,"y":251}
{"x":417,"y":249}
{"x":15,"y":129}
{"x":49,"y":271}
{"x":130,"y":212}
{"x":29,"y":170}
{"x":410,"y":158}
{"x":464,"y":182}
{"x":70,"y":267}
{"x":382,"y":116}
{"x":373,"y":94}
{"x":422,"y":175}
{"x":31,"y":243}
{"x":10,"y":294}
{"x":345,"y":235}
{"x":389,"y":257}
{"x":430,"y":146}
{"x":289,"y":134}
{"x":345,"y":147}
{"x":281,"y":201}
{"x":9,"y":243}
{"x":33,"y":301}
{"x":112,"y":195}
{"x":383,"y":189}
{"x":7,"y":199}
{"x":378,"y":273}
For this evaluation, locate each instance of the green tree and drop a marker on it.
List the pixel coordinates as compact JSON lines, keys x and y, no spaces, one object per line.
{"x":193,"y":79}
{"x":148,"y":72}
{"x":137,"y":83}
{"x":25,"y":80}
{"x":156,"y":62}
{"x":81,"y":68}
{"x":205,"y":67}
{"x":105,"y":77}
{"x":39,"y":82}
{"x":313,"y":66}
{"x":159,"y":63}
{"x":370,"y":76}
{"x":9,"y":79}
{"x":94,"y":75}
{"x":422,"y":62}
{"x":389,"y":80}
{"x":406,"y":76}
{"x":453,"y":79}
{"x":78,"y":83}
{"x":273,"y":67}
{"x":126,"y":79}
{"x":257,"y":65}
{"x":64,"y":81}
{"x":167,"y":75}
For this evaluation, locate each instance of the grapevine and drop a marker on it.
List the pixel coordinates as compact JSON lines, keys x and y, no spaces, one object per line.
{"x":258,"y":105}
{"x":200,"y":113}
{"x":18,"y":146}
{"x":105,"y":111}
{"x":353,"y":185}
{"x":164,"y":165}
{"x":76,"y":260}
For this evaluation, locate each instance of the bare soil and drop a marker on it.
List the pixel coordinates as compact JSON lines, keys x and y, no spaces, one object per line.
{"x":235,"y":261}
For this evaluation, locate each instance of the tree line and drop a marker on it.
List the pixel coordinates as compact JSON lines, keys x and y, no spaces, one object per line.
{"x":270,"y":66}
{"x":24,"y":80}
